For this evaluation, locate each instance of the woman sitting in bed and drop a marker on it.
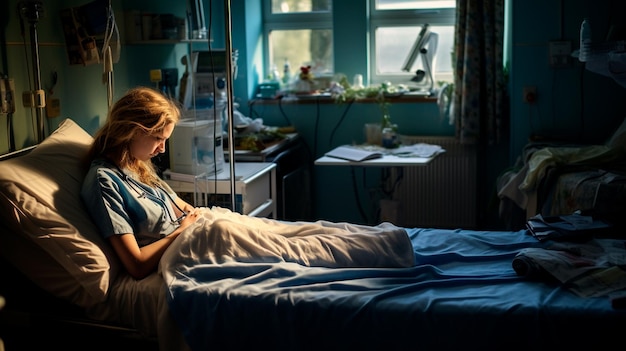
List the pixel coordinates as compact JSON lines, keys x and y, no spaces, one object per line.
{"x":141,"y":216}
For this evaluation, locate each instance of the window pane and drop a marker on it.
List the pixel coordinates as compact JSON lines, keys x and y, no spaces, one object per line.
{"x":302,"y":48}
{"x":295,"y":6}
{"x":414,"y":4}
{"x":394,"y":43}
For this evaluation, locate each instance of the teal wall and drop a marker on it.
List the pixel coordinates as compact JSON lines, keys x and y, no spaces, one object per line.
{"x":572,"y":103}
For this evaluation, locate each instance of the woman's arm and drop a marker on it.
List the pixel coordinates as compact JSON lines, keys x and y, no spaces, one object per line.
{"x":141,"y":261}
{"x":182,"y":204}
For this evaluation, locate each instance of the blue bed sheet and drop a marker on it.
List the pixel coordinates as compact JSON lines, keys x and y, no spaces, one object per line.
{"x":462,"y":294}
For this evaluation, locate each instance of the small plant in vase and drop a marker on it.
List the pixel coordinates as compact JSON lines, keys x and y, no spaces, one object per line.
{"x":343,"y":92}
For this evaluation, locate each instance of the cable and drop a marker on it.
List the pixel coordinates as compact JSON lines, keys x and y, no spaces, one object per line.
{"x":30,"y":86}
{"x":107,"y":52}
{"x":343,"y":116}
{"x":355,"y":190}
{"x":10,"y":136}
{"x":387,"y":173}
{"x":280,"y":107}
{"x":214,"y":99}
{"x":317,"y":123}
{"x":252,"y":111}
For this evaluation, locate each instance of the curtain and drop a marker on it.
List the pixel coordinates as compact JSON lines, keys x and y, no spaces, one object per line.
{"x":480,"y":109}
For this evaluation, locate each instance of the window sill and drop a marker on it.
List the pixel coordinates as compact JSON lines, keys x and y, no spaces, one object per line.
{"x":327,"y":99}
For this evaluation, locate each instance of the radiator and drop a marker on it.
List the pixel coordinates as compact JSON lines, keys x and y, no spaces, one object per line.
{"x":441,"y":194}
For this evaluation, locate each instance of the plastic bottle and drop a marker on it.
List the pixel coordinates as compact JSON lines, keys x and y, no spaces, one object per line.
{"x":286,"y":72}
{"x":585,"y":41}
{"x":275,"y":75}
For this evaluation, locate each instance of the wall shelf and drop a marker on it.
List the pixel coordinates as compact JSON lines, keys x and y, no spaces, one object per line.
{"x":169,"y":41}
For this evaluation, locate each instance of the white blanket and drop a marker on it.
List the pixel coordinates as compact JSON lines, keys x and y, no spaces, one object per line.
{"x":221,"y":235}
{"x":223,"y":249}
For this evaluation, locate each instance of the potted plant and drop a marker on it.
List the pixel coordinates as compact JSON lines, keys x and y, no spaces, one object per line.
{"x":343,"y":92}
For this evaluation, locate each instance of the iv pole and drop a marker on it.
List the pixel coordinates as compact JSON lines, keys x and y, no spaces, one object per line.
{"x":229,"y":102}
{"x":32,"y":11}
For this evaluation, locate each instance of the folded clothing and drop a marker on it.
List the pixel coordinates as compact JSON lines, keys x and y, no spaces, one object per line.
{"x":591,"y":268}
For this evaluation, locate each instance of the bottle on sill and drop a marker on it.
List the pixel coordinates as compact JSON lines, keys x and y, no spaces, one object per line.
{"x":274,"y":75}
{"x":286,"y":72}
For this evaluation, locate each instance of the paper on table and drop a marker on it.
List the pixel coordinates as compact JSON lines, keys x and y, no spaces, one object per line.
{"x":353,"y":154}
{"x":418,"y":150}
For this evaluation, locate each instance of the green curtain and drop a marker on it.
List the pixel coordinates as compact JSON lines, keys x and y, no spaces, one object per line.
{"x":480,"y":110}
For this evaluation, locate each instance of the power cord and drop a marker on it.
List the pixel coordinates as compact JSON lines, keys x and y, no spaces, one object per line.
{"x":343,"y":116}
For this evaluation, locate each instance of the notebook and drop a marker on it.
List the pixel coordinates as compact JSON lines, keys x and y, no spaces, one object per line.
{"x":353,"y":154}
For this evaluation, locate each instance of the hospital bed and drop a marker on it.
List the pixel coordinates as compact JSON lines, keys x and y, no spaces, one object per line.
{"x":64,"y":286}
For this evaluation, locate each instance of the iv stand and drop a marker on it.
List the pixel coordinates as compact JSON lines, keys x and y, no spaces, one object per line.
{"x":229,"y":102}
{"x":32,"y":11}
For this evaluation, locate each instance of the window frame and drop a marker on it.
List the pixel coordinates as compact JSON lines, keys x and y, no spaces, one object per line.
{"x":402,"y":18}
{"x":377,"y":18}
{"x":290,"y":21}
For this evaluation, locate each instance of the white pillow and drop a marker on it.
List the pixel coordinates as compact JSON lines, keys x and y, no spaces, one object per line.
{"x":40,"y":201}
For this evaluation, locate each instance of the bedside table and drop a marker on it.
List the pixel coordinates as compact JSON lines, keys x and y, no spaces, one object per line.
{"x":255,"y":188}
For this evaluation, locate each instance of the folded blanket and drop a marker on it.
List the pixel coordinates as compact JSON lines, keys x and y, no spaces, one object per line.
{"x":221,"y":235}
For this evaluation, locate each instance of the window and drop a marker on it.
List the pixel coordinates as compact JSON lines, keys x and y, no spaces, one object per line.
{"x":395,"y":26}
{"x":299,"y":32}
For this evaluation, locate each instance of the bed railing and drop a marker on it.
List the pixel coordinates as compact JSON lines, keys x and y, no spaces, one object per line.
{"x":17,"y":153}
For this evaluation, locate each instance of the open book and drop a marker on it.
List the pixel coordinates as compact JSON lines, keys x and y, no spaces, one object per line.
{"x":353,"y":153}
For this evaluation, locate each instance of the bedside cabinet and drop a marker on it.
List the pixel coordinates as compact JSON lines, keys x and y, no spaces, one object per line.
{"x":294,"y":175}
{"x":255,"y":188}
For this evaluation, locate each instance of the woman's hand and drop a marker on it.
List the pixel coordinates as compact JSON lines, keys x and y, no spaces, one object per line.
{"x":192,"y":217}
{"x":182,"y":205}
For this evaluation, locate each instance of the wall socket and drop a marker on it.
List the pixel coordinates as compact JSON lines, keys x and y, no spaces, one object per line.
{"x":529,"y":94}
{"x":559,"y":53}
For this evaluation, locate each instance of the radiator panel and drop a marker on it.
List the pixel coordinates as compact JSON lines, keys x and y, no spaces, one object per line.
{"x":441,"y":194}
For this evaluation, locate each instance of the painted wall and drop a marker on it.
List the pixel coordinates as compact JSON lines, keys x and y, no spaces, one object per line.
{"x":79,"y":89}
{"x":572,"y":103}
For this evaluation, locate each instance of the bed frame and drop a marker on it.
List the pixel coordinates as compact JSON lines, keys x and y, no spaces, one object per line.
{"x":32,"y":316}
{"x":462,"y":291}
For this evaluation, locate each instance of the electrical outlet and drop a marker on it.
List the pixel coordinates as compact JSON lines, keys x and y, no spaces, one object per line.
{"x":529,"y":95}
{"x":559,"y":53}
{"x":53,"y":107}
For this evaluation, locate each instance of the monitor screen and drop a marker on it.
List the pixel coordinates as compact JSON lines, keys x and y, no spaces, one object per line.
{"x":211,"y":61}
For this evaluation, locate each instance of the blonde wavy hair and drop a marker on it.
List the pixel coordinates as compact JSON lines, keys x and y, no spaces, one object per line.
{"x":140,"y":110}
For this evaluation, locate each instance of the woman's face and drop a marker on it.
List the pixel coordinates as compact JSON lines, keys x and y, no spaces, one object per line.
{"x":145,"y":146}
